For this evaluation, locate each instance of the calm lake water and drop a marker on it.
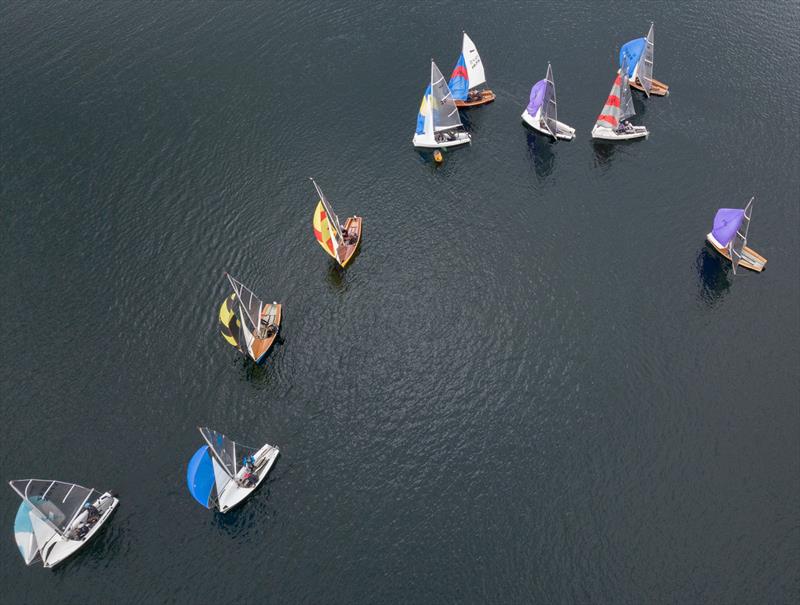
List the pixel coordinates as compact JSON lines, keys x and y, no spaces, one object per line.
{"x":535,"y":384}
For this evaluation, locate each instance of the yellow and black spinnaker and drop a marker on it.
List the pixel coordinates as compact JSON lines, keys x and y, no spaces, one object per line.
{"x":230,"y":326}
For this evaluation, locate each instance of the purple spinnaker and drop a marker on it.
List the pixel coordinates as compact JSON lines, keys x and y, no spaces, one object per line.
{"x":726,"y":224}
{"x":537,"y":96}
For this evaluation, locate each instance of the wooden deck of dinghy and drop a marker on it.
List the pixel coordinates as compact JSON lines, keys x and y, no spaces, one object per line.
{"x":658,"y":88}
{"x":746,"y":252}
{"x":262,"y":345}
{"x":352,"y":233}
{"x":485,"y":96}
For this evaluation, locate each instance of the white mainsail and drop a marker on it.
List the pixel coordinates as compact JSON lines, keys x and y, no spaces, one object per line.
{"x":549,"y":115}
{"x":472,"y":59}
{"x":54,"y":503}
{"x":249,"y":304}
{"x":626,"y":98}
{"x":644,"y":70}
{"x":444,"y":110}
{"x":737,"y":244}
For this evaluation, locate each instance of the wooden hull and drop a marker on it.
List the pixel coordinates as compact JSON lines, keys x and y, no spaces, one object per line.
{"x":658,"y":89}
{"x":485,"y":96}
{"x":752,"y":260}
{"x":262,"y":345}
{"x":353,"y":230}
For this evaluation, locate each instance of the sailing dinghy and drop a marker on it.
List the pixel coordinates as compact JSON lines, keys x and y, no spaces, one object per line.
{"x":638,"y":56}
{"x":541,"y":114}
{"x":728,"y":236}
{"x":338,"y":241}
{"x":222,"y":473}
{"x":612,"y":124}
{"x":247,"y":323}
{"x":467,"y":75}
{"x":56,"y":519}
{"x":438,"y":122}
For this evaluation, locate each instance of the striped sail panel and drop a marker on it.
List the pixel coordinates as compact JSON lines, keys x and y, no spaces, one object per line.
{"x":459,"y":80}
{"x":610,"y":116}
{"x":230,"y":323}
{"x":322,"y":230}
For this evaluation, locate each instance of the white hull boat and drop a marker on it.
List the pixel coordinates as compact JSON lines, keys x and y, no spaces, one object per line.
{"x":564,"y":132}
{"x":442,"y":140}
{"x":438,"y":122}
{"x":611,"y":124}
{"x":610,"y":134}
{"x":56,"y":519}
{"x":223,"y":473}
{"x":541,"y":114}
{"x":235,"y":492}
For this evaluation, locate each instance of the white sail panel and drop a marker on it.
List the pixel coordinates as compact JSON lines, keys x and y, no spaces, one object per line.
{"x":222,"y":448}
{"x":626,"y":98}
{"x":249,"y":302}
{"x":43,"y":532}
{"x":221,"y":477}
{"x":56,"y":502}
{"x":475,"y":71}
{"x":549,"y":115}
{"x":644,"y":69}
{"x":445,"y":112}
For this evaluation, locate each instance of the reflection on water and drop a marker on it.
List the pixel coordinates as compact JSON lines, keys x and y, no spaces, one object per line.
{"x":713,"y":270}
{"x":603,"y":152}
{"x":259,"y":374}
{"x":540,"y":149}
{"x":337,"y":274}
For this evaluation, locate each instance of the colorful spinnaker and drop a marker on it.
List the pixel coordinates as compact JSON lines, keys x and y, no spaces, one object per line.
{"x":542,"y":110}
{"x":247,"y":323}
{"x":468,"y":73}
{"x":438,"y":121}
{"x":728,"y":236}
{"x":222,"y":473}
{"x":618,"y":107}
{"x":636,"y":58}
{"x":339,"y":241}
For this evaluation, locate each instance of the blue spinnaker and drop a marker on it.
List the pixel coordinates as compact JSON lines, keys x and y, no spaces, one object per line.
{"x":630,"y":54}
{"x":200,"y":476}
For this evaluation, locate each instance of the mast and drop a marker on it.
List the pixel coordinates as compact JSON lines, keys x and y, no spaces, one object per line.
{"x":645,"y":71}
{"x":549,"y":107}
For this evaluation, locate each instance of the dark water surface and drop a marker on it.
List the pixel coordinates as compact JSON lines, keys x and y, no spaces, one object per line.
{"x":534,"y":384}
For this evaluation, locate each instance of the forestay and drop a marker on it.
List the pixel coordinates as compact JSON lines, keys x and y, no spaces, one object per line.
{"x":54,"y":502}
{"x":445,"y":112}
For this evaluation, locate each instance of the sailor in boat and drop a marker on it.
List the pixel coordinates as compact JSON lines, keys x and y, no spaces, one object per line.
{"x":624,"y":127}
{"x":84,"y":521}
{"x":249,"y":478}
{"x":268,"y":329}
